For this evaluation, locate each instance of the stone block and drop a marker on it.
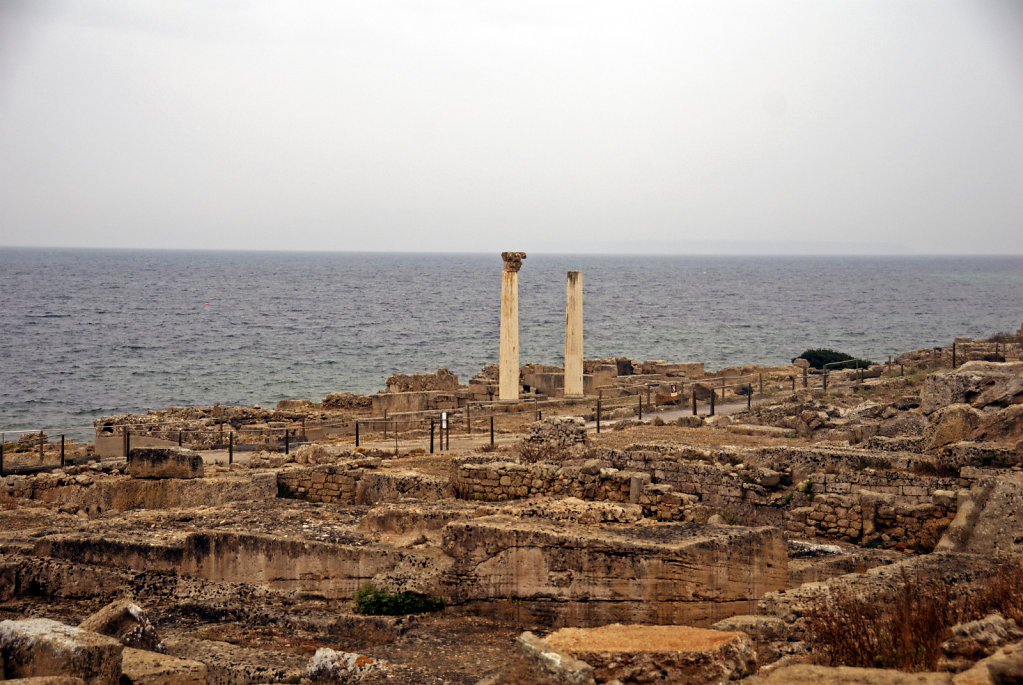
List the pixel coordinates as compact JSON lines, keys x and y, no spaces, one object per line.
{"x":141,"y":667}
{"x":674,"y":654}
{"x":41,"y":647}
{"x":164,"y":462}
{"x":126,"y":621}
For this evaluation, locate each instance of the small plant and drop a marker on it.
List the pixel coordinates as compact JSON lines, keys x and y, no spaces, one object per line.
{"x":786,"y":500}
{"x":374,"y":601}
{"x":657,"y":421}
{"x":533,"y":451}
{"x":489,"y":447}
{"x":940,"y":469}
{"x":871,"y":463}
{"x":807,"y":489}
{"x":906,"y":630}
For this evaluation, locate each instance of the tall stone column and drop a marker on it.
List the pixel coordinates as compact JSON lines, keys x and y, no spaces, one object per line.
{"x":509,"y":361}
{"x":574,"y":335}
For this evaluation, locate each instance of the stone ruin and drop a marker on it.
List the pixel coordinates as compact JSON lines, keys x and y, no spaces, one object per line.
{"x":693,"y":551}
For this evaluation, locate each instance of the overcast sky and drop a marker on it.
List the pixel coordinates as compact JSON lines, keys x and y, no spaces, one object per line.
{"x":722,"y":126}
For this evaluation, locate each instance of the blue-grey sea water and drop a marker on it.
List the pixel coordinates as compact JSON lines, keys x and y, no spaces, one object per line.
{"x":86,"y":333}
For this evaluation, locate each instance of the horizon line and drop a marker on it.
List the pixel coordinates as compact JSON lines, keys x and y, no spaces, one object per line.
{"x":487,"y":252}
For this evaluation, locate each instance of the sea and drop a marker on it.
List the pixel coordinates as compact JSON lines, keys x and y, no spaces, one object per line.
{"x":86,"y":333}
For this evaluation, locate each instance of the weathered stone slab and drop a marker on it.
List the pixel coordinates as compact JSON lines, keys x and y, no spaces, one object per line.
{"x":671,"y":654}
{"x":165,"y":462}
{"x":41,"y":647}
{"x":807,"y":674}
{"x":142,"y":667}
{"x":977,"y":383}
{"x":571,"y":574}
{"x":554,"y":661}
{"x":126,"y":621}
{"x":46,"y":680}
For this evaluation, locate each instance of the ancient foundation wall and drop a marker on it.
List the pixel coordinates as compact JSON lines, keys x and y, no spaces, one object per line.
{"x":502,"y":481}
{"x":886,"y":508}
{"x":346,"y":485}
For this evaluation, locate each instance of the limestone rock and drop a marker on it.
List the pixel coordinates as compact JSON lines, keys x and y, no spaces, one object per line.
{"x":329,"y":666}
{"x":974,"y":639}
{"x":165,"y":462}
{"x":977,"y":383}
{"x":677,"y":572}
{"x":337,"y":401}
{"x":1005,"y":426}
{"x":557,"y":431}
{"x":142,"y":667}
{"x":41,"y":647}
{"x":554,"y":661}
{"x":989,"y":518}
{"x":648,"y":653}
{"x":760,"y":628}
{"x":808,"y":674}
{"x":1001,"y":668}
{"x":46,"y":680}
{"x":952,"y":424}
{"x":441,"y":379}
{"x":125,"y":620}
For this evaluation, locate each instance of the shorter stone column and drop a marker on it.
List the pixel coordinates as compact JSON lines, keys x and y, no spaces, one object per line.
{"x":574,"y":335}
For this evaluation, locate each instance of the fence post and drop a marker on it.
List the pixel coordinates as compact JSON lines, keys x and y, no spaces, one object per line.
{"x":598,"y":415}
{"x":749,"y":397}
{"x":694,"y":399}
{"x":902,"y":369}
{"x":179,"y":438}
{"x":761,"y":382}
{"x":41,"y":439}
{"x":805,"y":379}
{"x":356,"y":432}
{"x":953,"y":354}
{"x":712,"y":403}
{"x":230,"y":448}
{"x":432,"y":424}
{"x":62,"y":451}
{"x":825,"y":381}
{"x":305,"y":438}
{"x":287,"y":446}
{"x":491,"y":430}
{"x":640,"y":407}
{"x":468,"y":420}
{"x":395,"y":427}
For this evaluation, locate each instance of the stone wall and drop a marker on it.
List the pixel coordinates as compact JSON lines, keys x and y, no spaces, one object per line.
{"x":357,"y":484}
{"x":501,"y":481}
{"x":890,"y":509}
{"x":907,"y":488}
{"x":94,"y":491}
{"x":876,"y":520}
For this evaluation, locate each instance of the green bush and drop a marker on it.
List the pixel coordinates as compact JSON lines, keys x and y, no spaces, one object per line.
{"x":820,"y":356}
{"x":375,"y":601}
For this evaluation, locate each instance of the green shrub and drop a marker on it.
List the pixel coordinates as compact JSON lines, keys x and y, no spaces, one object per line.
{"x":819,"y":357}
{"x":374,"y":601}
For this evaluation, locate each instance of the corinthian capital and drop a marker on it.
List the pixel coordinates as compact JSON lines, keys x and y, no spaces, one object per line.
{"x":513,"y":260}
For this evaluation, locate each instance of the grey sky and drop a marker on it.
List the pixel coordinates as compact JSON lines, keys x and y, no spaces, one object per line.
{"x":811,"y":126}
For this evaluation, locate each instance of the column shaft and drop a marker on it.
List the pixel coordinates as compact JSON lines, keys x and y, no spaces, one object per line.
{"x":509,"y":362}
{"x":574,"y":335}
